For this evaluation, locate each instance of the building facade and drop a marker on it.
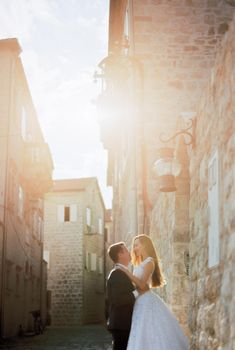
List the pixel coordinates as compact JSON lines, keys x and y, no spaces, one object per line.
{"x":74,"y":248}
{"x":109,"y":239}
{"x":170,"y":67}
{"x":25,"y":174}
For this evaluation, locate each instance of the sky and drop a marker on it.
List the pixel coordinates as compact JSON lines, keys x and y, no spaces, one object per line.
{"x":62,"y":43}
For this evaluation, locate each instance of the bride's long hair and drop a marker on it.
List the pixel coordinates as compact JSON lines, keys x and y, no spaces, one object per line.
{"x":147,"y":243}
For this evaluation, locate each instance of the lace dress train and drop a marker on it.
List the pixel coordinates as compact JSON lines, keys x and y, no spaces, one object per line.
{"x":154,"y":327}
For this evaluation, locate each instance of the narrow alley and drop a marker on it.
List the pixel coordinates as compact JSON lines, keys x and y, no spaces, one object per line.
{"x":92,"y":337}
{"x":117,"y":174}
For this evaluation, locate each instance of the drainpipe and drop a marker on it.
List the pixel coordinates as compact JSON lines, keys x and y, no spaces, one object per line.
{"x":134,"y":211}
{"x":140,"y":159}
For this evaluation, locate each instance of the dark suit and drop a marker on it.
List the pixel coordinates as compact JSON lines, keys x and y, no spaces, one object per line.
{"x":120,"y":300}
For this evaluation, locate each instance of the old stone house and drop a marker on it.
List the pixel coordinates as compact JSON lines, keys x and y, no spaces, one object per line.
{"x":170,"y":66}
{"x":74,"y":248}
{"x":25,"y":174}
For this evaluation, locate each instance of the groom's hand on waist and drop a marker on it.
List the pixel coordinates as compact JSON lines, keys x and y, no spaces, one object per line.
{"x":142,"y":291}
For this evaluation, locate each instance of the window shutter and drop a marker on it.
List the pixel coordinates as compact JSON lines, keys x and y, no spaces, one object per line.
{"x":73,"y":212}
{"x":40,"y":228}
{"x":100,"y":265}
{"x":88,"y":216}
{"x":100,"y":226}
{"x":60,"y":213}
{"x":20,"y":202}
{"x":23,"y":124}
{"x":93,"y":262}
{"x":46,"y":257}
{"x":213,"y":209}
{"x":87,"y":260}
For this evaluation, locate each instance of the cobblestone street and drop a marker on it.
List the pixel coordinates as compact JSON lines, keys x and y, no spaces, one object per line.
{"x":92,"y":337}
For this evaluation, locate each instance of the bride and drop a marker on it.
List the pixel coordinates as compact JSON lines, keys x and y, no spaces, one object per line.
{"x":153,"y":324}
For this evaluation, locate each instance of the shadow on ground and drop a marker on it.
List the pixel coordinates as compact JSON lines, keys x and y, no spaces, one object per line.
{"x":92,"y":337}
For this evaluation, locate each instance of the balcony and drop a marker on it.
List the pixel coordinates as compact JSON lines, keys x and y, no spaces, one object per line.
{"x":37,"y":169}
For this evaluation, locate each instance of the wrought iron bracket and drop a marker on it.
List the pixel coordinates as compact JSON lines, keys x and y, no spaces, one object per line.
{"x":185,"y":131}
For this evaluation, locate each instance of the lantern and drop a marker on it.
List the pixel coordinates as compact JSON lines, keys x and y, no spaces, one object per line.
{"x":167,"y":168}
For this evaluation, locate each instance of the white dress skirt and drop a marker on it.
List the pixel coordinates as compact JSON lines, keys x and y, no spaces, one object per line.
{"x":154,"y":327}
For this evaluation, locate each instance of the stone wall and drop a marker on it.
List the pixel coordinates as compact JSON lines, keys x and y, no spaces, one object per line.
{"x":21,"y":264}
{"x":169,"y":229}
{"x":75,"y":252}
{"x":109,"y":239}
{"x":44,"y":296}
{"x":94,"y":279}
{"x":212,"y":320}
{"x":64,"y":243}
{"x":177,"y":43}
{"x":94,"y":283}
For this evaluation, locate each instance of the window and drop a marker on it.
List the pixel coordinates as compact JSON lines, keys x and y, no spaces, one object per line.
{"x":20,"y":202}
{"x":27,"y":268}
{"x":88,"y":216}
{"x":213,"y":210}
{"x":40,"y":228}
{"x":100,"y":226}
{"x":9,"y":276}
{"x":67,"y":213}
{"x":93,"y":262}
{"x":126,"y":24}
{"x":37,"y":225}
{"x":87,"y":265}
{"x":12,"y":187}
{"x":17,"y":281}
{"x":36,"y":154}
{"x":126,"y":32}
{"x":106,"y":233}
{"x":101,"y":267}
{"x":73,"y":212}
{"x":32,"y":288}
{"x":60,"y":213}
{"x":46,"y":257}
{"x":38,"y":289}
{"x":23,"y":124}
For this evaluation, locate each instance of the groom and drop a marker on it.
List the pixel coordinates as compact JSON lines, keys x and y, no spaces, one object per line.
{"x":121,"y":296}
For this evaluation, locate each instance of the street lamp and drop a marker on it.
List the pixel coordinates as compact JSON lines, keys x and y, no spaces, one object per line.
{"x":167,"y":167}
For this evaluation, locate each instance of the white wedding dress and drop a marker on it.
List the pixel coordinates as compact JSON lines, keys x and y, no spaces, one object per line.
{"x":154,"y":327}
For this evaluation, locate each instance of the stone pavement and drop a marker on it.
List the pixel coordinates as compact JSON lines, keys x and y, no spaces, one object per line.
{"x":92,"y":337}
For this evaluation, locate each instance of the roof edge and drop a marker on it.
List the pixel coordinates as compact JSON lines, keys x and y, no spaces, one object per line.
{"x":11,"y":44}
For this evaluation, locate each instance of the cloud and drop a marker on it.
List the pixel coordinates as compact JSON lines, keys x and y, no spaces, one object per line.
{"x":18,"y":18}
